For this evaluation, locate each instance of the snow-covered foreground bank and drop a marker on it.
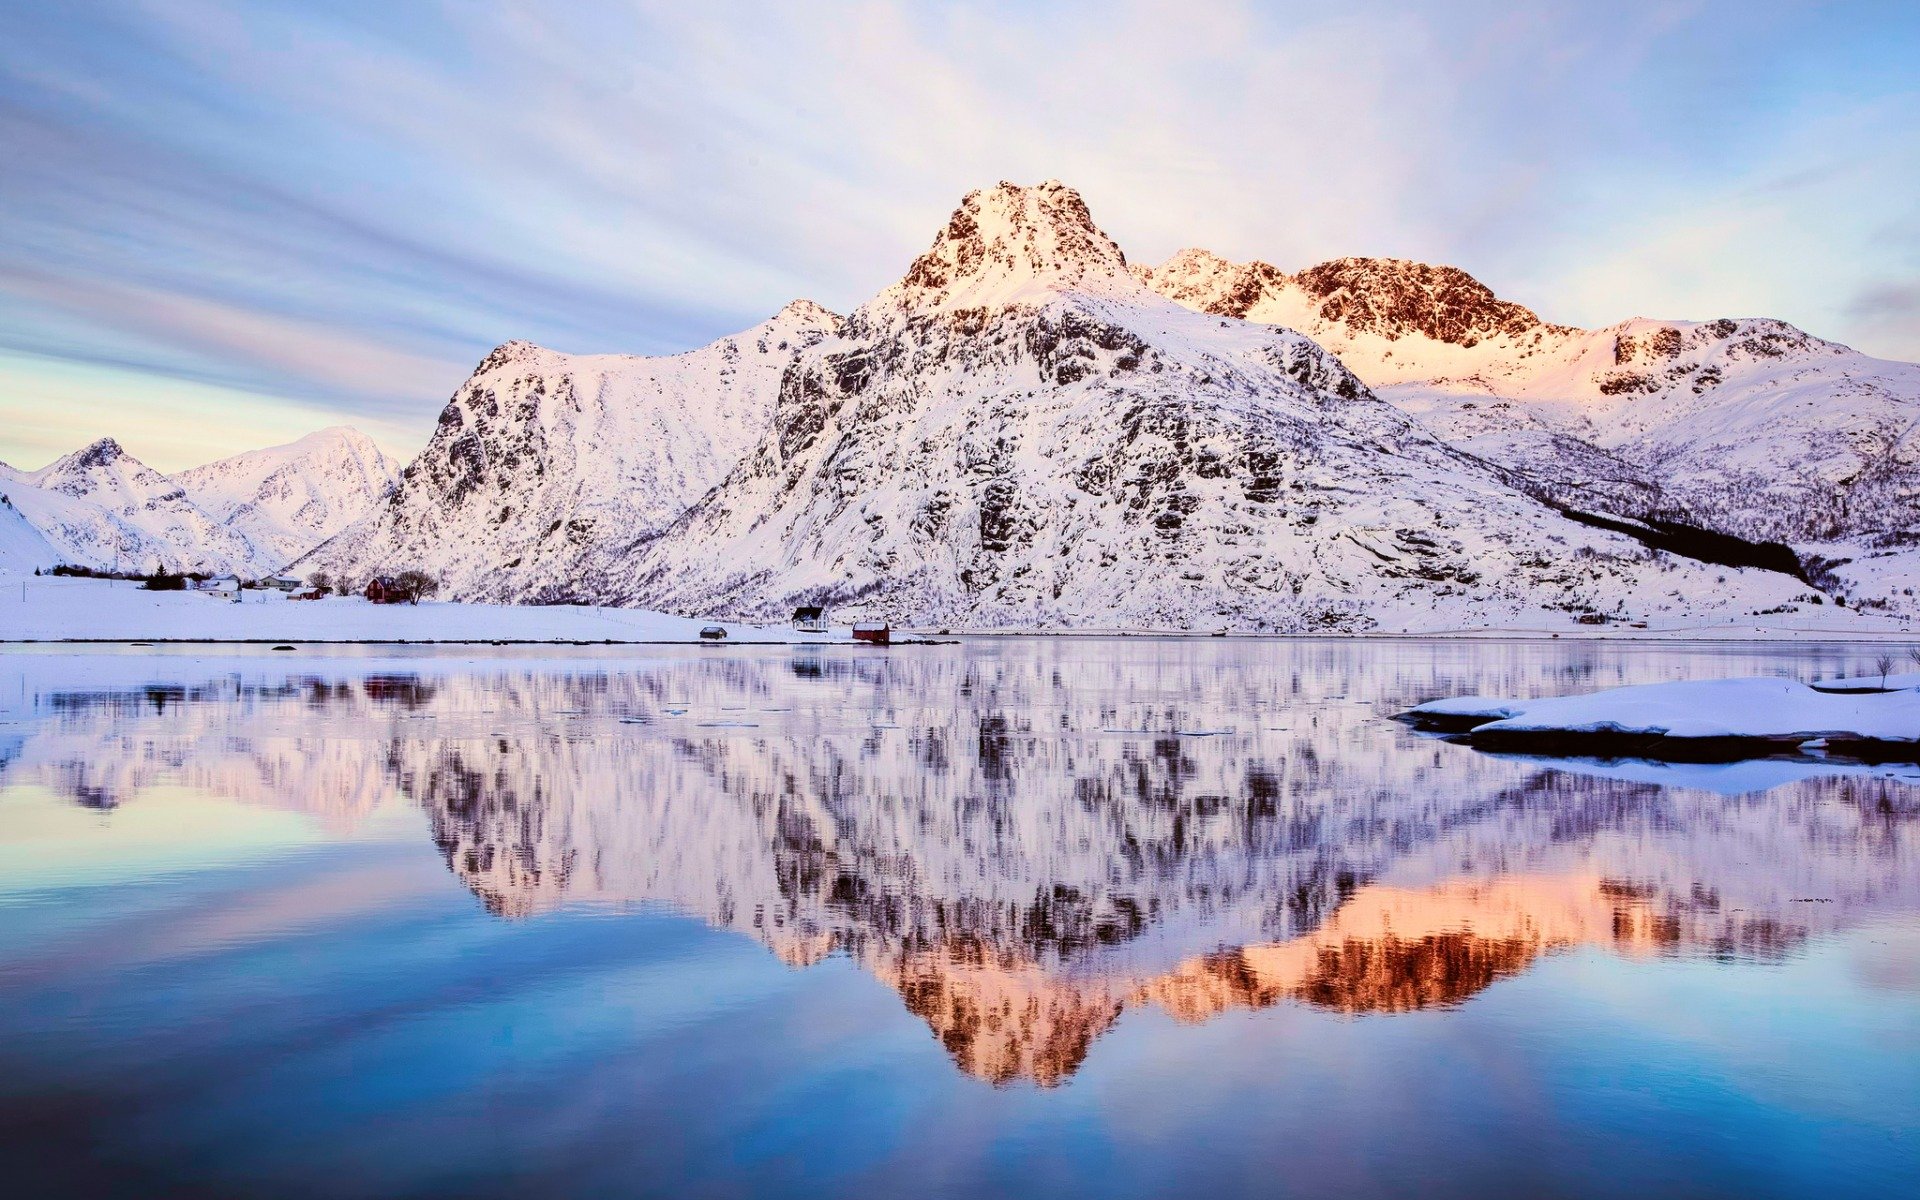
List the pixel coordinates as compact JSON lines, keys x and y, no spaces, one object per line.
{"x":1717,"y":718}
{"x":34,"y":608}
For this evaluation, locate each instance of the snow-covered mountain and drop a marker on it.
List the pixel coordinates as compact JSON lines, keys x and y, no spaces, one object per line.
{"x":541,"y":457}
{"x":1750,"y":426}
{"x":1027,"y":431}
{"x":1022,"y":433}
{"x":285,"y":500}
{"x":250,"y":514}
{"x":102,"y":507}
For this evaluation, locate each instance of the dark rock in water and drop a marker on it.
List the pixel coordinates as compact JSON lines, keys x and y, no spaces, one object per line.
{"x":1615,"y":743}
{"x":1874,"y":750}
{"x":1445,"y":722}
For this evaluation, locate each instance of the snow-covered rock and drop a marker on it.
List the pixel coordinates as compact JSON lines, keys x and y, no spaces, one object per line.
{"x":1692,"y":711}
{"x":102,"y":507}
{"x":1021,"y":433}
{"x":285,"y":500}
{"x":541,"y":457}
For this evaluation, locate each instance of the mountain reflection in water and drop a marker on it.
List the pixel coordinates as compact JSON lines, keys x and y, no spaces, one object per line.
{"x":1023,"y":841}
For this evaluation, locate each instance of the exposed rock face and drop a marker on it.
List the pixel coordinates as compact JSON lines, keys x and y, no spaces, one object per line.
{"x":1395,"y":298}
{"x":1388,"y":297}
{"x":1020,"y":433}
{"x":541,"y":457}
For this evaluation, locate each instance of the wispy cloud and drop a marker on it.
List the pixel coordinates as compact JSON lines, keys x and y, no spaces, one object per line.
{"x":342,"y":205}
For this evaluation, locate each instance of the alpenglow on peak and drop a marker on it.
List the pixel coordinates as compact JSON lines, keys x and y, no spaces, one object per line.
{"x":1009,"y":244}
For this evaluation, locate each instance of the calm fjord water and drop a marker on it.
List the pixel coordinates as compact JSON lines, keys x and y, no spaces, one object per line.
{"x":1049,"y":917}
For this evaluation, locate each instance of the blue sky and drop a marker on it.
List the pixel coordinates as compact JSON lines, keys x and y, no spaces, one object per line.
{"x":226,"y":224}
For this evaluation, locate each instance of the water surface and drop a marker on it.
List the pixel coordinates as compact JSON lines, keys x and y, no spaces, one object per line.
{"x":1058,"y":917}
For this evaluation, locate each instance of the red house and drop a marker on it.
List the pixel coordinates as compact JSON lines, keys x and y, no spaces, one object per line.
{"x":880,"y":633}
{"x":382,"y":590}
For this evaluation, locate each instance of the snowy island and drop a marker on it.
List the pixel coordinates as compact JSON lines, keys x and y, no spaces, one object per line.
{"x":1719,"y":720}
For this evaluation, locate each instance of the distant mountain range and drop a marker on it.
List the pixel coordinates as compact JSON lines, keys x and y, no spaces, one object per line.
{"x":250,"y":514}
{"x":1027,"y":430}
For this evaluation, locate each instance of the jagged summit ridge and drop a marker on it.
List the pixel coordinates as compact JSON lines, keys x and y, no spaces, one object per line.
{"x":1392,"y":297}
{"x":1389,"y":298}
{"x":1009,"y":244}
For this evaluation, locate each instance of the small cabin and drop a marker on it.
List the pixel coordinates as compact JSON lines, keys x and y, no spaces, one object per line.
{"x":877,"y":632}
{"x":226,"y":587}
{"x":713,"y":633}
{"x":381,"y":589}
{"x":310,"y":594}
{"x":810,"y":618}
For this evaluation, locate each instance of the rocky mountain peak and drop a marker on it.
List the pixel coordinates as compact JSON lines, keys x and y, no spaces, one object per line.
{"x":808,"y":315}
{"x":1008,"y":243}
{"x":96,"y":465}
{"x":514,"y":351}
{"x":103,"y":453}
{"x":1203,"y":280}
{"x":345,"y":435}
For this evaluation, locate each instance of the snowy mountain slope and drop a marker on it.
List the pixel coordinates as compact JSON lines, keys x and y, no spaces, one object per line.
{"x":101,"y":507}
{"x":285,"y":500}
{"x":1751,"y":426}
{"x":1021,"y":433}
{"x":541,"y":456}
{"x":22,"y":549}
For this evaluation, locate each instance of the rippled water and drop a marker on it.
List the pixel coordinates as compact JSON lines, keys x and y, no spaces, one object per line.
{"x":1104,"y":917}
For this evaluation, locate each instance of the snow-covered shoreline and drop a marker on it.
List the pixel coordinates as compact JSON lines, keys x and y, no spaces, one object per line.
{"x":46,"y":609}
{"x":1693,"y":720}
{"x":79,"y":610}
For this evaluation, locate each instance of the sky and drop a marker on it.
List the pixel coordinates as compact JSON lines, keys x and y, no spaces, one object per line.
{"x":227,"y":224}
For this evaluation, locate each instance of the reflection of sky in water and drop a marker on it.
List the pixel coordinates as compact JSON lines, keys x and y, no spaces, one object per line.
{"x":239,"y":932}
